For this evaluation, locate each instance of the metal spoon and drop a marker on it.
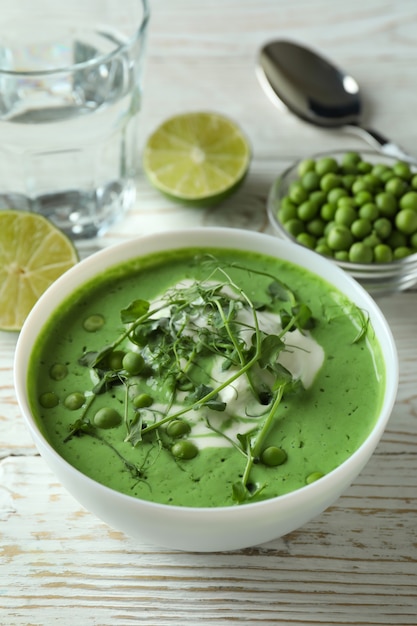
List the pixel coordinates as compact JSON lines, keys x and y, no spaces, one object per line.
{"x":316,"y":91}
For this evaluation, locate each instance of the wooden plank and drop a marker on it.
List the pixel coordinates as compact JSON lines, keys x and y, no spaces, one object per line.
{"x":356,"y":564}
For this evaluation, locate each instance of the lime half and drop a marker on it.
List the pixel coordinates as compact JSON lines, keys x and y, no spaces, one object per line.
{"x":197,"y":158}
{"x":33,"y":254}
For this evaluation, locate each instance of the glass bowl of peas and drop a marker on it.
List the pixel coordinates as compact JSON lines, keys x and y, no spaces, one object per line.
{"x":358,"y":209}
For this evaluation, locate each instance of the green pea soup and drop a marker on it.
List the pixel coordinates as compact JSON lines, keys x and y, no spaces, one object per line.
{"x":176,"y":378}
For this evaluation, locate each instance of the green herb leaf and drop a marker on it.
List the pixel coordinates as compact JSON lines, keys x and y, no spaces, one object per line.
{"x":240,"y":492}
{"x":271,"y":347}
{"x":200,"y":392}
{"x":93,"y":359}
{"x":135,"y":430}
{"x":283,"y":377}
{"x":215,"y":405}
{"x":304,"y":319}
{"x":134,"y":311}
{"x":279,"y":291}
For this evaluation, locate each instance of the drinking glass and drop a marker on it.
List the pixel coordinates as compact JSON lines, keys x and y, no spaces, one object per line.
{"x":70,"y":97}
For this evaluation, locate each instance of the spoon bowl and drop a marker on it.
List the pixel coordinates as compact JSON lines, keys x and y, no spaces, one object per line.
{"x":317,"y":91}
{"x":309,"y":85}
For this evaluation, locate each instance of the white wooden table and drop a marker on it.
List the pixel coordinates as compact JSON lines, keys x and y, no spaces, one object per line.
{"x":357,"y":562}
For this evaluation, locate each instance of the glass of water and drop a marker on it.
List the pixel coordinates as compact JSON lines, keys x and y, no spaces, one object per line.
{"x":70,"y":96}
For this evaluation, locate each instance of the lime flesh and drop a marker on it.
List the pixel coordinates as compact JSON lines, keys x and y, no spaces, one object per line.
{"x":197,"y":158}
{"x":33,"y":254}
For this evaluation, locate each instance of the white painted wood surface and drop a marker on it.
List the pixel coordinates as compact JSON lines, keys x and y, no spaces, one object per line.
{"x":356,"y":563}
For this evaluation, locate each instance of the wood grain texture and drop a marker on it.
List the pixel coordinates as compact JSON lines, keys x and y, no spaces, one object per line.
{"x":356,"y":564}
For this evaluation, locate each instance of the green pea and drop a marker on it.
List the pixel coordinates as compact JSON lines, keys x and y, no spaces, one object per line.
{"x":348,"y":180}
{"x":379,"y":169}
{"x":372,"y":181}
{"x":115,"y":360}
{"x":328,"y":227}
{"x":402,"y":252}
{"x":386,"y":203}
{"x":345,"y":215}
{"x":341,"y":255}
{"x":396,"y":186}
{"x":409,"y":201}
{"x":273,"y":456}
{"x":297,"y":193}
{"x":311,"y":478}
{"x":74,"y":400}
{"x":406,"y":221}
{"x":339,"y":237}
{"x":346,"y":201}
{"x":133,"y":363}
{"x":369,"y":211}
{"x":413,"y":182}
{"x":48,"y":400}
{"x":58,"y":371}
{"x":307,"y":240}
{"x":336,"y":193}
{"x":363,"y":197}
{"x":326,"y":165}
{"x":387,"y":175}
{"x":396,"y":240}
{"x":304,"y":166}
{"x":364,"y":167}
{"x":323,"y":249}
{"x":382,"y":253}
{"x":360,"y":253}
{"x":184,"y":450}
{"x":359,"y":185}
{"x":318,"y":198}
{"x":307,"y":210}
{"x":287,"y":202}
{"x":372,"y":240}
{"x":413,"y":240}
{"x":330,"y":181}
{"x":316,"y":227}
{"x":142,"y":400}
{"x":93,"y":323}
{"x":106,"y":418}
{"x":310,"y":181}
{"x":350,"y":159}
{"x":402,"y":170}
{"x":294,"y":227}
{"x":287,"y":212}
{"x":383,"y":227}
{"x":361,"y":227}
{"x":178,"y":428}
{"x":328,"y":211}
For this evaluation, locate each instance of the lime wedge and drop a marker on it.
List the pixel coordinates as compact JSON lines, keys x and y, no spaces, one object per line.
{"x":197,"y":158}
{"x":33,"y":254}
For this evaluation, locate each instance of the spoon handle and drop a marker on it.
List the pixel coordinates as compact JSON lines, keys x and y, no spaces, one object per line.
{"x":382,"y":143}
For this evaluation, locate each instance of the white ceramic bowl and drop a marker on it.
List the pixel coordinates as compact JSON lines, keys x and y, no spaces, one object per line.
{"x":377,"y":278}
{"x":205,"y":529}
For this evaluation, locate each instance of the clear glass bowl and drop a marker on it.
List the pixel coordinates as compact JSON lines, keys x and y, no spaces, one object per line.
{"x":376,"y":278}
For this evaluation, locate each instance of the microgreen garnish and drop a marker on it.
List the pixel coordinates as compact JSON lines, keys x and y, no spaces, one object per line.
{"x":179,"y":337}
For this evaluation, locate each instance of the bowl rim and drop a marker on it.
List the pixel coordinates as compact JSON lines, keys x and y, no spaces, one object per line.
{"x":105,"y":258}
